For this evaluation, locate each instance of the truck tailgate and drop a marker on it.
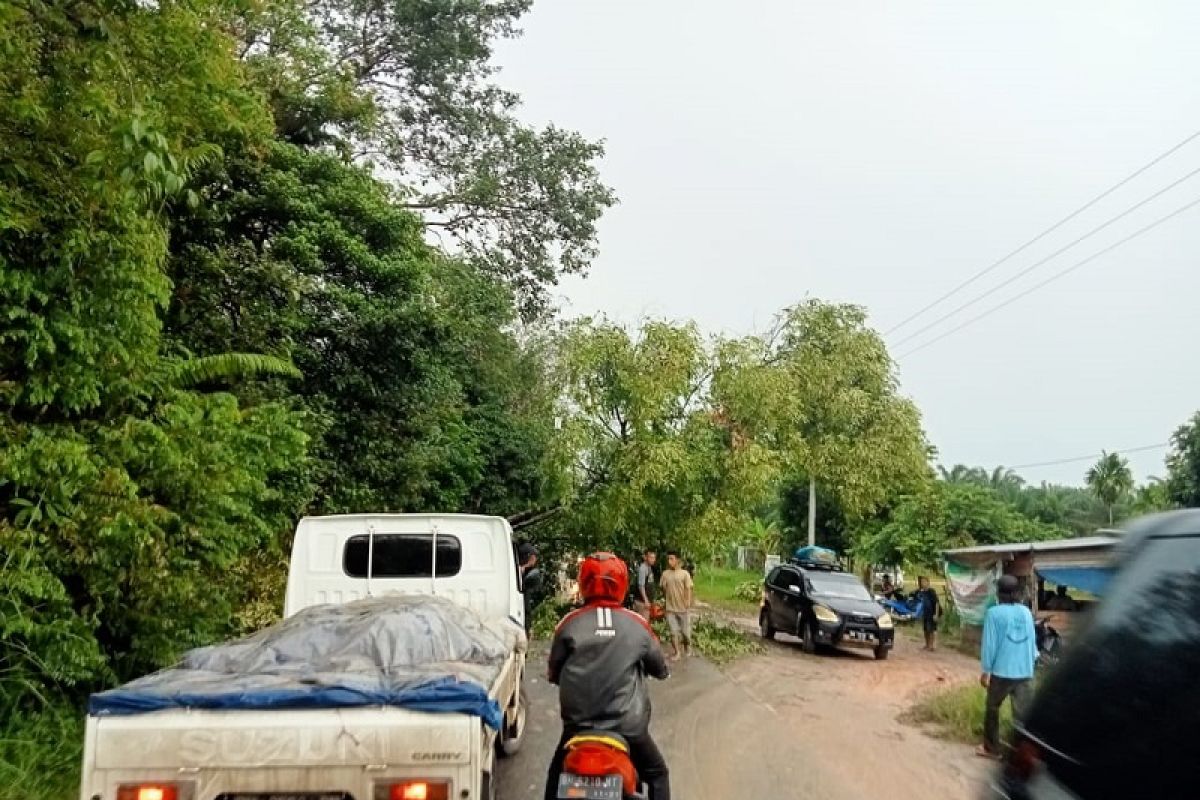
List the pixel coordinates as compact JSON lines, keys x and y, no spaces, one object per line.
{"x":199,"y":740}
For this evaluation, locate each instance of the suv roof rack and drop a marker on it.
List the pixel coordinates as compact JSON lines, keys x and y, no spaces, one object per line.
{"x":826,"y":566}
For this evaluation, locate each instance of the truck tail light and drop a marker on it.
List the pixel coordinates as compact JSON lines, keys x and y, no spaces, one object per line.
{"x":413,"y":790}
{"x":148,"y":791}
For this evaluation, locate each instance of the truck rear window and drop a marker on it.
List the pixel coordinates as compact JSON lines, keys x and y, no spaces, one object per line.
{"x":402,"y":555}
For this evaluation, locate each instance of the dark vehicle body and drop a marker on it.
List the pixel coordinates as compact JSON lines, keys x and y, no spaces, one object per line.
{"x":822,"y":606}
{"x":1118,"y":716}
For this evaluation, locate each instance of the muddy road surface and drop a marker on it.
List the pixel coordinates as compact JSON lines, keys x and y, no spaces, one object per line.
{"x":782,"y":725}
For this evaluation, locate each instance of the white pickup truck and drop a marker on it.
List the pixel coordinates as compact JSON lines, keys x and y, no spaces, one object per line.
{"x":358,"y":753}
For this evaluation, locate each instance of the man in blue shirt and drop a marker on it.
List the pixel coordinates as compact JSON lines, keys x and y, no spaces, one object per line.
{"x":1008,"y":654}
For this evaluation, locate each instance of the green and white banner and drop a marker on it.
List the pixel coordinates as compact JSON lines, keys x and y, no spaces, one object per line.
{"x":973,"y":589}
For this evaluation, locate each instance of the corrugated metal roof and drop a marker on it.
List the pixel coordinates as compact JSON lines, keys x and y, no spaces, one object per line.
{"x":1080,"y":543}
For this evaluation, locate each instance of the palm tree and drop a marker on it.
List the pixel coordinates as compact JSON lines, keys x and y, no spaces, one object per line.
{"x":1152,"y":496}
{"x":1005,"y":482}
{"x":1110,"y":480}
{"x":961,"y":473}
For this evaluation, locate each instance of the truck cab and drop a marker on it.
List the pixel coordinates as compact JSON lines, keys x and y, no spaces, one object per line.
{"x":468,"y":559}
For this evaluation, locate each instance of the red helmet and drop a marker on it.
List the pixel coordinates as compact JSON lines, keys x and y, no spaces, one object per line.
{"x":603,"y":576}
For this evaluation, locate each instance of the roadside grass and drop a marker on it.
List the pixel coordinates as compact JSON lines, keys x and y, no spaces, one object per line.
{"x":729,"y":589}
{"x":957,"y":713}
{"x":40,"y":755}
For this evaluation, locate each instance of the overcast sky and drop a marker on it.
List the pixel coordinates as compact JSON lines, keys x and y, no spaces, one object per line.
{"x":882,"y":152}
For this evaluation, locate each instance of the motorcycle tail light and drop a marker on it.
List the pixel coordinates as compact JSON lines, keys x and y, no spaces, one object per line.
{"x":593,"y":760}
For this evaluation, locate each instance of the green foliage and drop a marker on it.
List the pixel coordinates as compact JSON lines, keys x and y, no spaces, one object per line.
{"x":730,"y":589}
{"x":40,"y":754}
{"x":546,"y":618}
{"x":1110,"y":480}
{"x":946,"y":515}
{"x":957,"y":713}
{"x":643,"y":455}
{"x":748,"y":591}
{"x":1072,"y":508}
{"x":228,"y":367}
{"x":717,"y":641}
{"x":1183,"y":464}
{"x":125,"y":496}
{"x":410,"y":80}
{"x":1152,"y":496}
{"x":417,"y":394}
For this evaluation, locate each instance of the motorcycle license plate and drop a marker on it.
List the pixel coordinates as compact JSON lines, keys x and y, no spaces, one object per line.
{"x":586,"y":787}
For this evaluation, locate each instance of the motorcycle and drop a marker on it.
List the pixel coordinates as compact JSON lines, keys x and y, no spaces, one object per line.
{"x":597,"y":767}
{"x":902,"y":609}
{"x":1049,"y":643}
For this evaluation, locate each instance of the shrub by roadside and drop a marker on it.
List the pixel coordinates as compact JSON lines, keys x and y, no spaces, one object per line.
{"x":40,"y":754}
{"x":957,"y":713}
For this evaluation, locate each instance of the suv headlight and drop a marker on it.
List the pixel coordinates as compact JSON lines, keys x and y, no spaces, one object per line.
{"x":885,"y":620}
{"x":825,"y":614}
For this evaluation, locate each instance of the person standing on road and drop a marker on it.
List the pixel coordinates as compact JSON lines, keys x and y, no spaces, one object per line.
{"x":931,"y":612}
{"x":1008,"y":654}
{"x":677,"y":597}
{"x":644,"y":590}
{"x":532,"y":582}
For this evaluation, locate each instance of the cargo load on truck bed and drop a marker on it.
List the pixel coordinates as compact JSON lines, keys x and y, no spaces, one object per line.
{"x":415,"y":652}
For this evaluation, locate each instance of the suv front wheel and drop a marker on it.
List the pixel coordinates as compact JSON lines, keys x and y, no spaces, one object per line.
{"x":808,"y":634}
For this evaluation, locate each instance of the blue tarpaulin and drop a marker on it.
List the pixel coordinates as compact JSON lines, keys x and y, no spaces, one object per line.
{"x":419,"y":653}
{"x":813,"y":553}
{"x":1088,"y":579}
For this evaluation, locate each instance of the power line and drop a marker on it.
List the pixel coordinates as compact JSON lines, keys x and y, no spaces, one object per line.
{"x":1076,"y":459}
{"x":1043,"y":234}
{"x":1050,"y":257}
{"x":1054,"y":277}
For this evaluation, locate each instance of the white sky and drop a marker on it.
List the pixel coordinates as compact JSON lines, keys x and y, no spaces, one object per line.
{"x":882,"y":152}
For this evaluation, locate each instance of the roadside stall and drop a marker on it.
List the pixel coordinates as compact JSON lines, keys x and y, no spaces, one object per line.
{"x":1082,"y":565}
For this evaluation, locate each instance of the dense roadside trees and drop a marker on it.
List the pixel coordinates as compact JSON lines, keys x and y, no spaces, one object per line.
{"x":215,"y":317}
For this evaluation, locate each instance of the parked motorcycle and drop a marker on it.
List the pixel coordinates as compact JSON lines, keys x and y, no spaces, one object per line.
{"x":902,"y":609}
{"x":597,"y":767}
{"x":1049,"y":643}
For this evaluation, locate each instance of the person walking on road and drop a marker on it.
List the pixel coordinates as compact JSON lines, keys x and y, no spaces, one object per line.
{"x":1008,"y":654}
{"x":644,"y":590}
{"x":931,"y":612}
{"x":677,"y":597}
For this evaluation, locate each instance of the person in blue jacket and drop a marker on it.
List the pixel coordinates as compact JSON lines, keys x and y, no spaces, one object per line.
{"x":1008,"y":654}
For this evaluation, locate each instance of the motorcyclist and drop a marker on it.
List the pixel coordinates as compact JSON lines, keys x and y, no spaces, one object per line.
{"x":599,"y":659}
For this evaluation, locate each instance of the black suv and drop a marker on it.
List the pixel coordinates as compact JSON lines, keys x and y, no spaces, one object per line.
{"x":821,"y":605}
{"x":1118,"y":716}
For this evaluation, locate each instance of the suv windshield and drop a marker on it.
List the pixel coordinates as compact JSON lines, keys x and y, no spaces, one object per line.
{"x":835,"y":585}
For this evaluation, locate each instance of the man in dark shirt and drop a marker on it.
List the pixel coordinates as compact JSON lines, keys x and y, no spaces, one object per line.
{"x":931,"y":611}
{"x":531,"y":581}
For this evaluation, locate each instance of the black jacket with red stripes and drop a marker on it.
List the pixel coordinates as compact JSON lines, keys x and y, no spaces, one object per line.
{"x":600,"y":658}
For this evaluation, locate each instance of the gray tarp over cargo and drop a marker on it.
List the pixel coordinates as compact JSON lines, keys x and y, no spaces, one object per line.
{"x":417,"y":652}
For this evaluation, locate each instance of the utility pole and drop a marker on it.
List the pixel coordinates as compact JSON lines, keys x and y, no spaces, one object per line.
{"x":812,"y":511}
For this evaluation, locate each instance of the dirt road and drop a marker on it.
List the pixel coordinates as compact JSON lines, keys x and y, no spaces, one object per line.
{"x":784,"y":725}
